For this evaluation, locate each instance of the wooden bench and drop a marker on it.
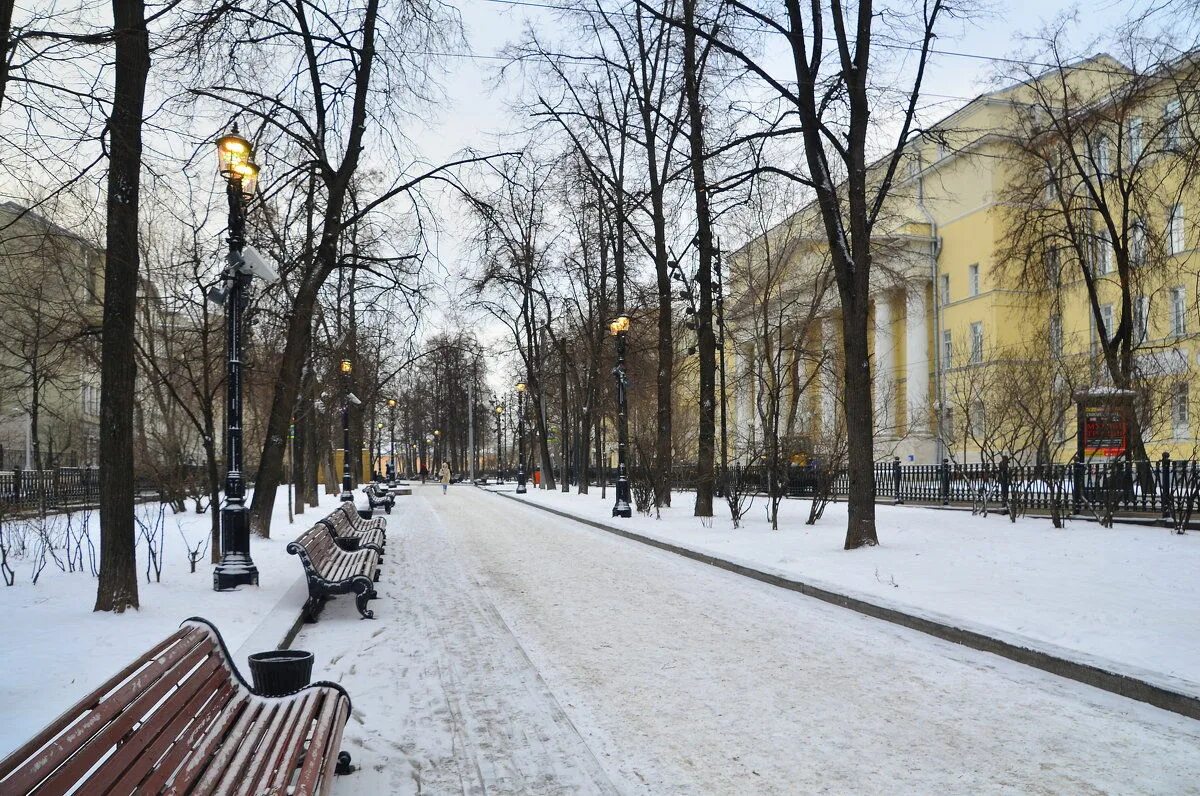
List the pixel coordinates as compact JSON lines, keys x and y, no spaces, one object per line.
{"x":181,"y":720}
{"x":348,"y":537}
{"x":379,"y":495}
{"x":331,"y":570}
{"x":359,"y":522}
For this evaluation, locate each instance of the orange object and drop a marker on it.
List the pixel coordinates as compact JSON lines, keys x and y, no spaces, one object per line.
{"x":537,"y":477}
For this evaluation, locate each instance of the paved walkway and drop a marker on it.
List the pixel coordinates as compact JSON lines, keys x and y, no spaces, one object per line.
{"x":516,"y":652}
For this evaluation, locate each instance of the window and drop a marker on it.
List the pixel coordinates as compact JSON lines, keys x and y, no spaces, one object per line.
{"x":976,"y":343}
{"x":1171,"y":121}
{"x":1135,"y":138}
{"x":1175,"y":239}
{"x":1053,"y":267}
{"x":977,"y":419}
{"x":1056,"y":335}
{"x":1137,"y":243}
{"x":1106,"y":319}
{"x":1100,"y":254}
{"x":1180,"y":418}
{"x":1178,"y":312}
{"x":947,"y":349}
{"x":944,"y":289}
{"x":948,"y":424}
{"x":1141,"y":316}
{"x":973,"y":279}
{"x":1051,"y":190}
{"x":1103,"y":157}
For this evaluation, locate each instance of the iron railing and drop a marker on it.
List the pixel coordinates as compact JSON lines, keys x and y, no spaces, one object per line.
{"x":59,"y":488}
{"x":1121,"y":486}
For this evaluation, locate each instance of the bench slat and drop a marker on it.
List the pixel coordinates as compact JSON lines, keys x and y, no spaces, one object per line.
{"x":131,"y":764}
{"x":77,"y":750}
{"x":198,"y":763}
{"x":324,"y":737}
{"x":227,"y":751}
{"x":89,"y":702}
{"x":219,"y":712}
{"x":282,"y":754}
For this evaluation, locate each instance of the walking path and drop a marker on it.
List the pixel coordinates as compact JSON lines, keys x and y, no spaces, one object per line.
{"x":517,"y":652}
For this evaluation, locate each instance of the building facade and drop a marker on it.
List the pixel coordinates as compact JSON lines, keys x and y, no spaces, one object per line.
{"x":1039,"y":242}
{"x":51,"y":297}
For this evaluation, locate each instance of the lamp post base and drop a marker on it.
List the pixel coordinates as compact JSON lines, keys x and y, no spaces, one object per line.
{"x":236,"y":567}
{"x":521,"y":483}
{"x":621,"y":507}
{"x":347,"y":496}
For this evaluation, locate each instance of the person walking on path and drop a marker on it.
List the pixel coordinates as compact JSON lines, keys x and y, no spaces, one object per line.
{"x":445,"y":476}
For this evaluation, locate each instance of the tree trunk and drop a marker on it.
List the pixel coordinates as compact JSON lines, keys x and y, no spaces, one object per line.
{"x":299,"y":334}
{"x":214,"y":491}
{"x":117,"y":589}
{"x":6,"y":12}
{"x":707,"y":342}
{"x":860,"y":438}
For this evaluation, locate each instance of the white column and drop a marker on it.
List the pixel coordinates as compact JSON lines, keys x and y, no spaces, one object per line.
{"x":883,"y":363}
{"x":916,"y":341}
{"x":832,"y":379}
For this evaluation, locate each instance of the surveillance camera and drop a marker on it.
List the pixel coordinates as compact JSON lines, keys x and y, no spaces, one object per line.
{"x":252,"y":263}
{"x":354,"y":399}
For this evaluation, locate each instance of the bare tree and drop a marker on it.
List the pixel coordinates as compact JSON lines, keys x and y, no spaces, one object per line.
{"x":117,"y":589}
{"x":1104,"y":152}
{"x":834,"y":108}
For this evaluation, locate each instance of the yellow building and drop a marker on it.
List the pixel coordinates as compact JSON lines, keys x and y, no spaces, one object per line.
{"x":1029,"y":233}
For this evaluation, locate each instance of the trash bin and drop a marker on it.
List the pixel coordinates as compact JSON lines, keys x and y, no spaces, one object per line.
{"x":280,"y":672}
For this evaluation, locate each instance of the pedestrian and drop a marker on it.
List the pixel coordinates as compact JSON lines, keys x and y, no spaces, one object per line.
{"x":445,"y":476}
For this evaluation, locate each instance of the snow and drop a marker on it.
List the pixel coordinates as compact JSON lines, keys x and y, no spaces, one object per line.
{"x":56,"y":649}
{"x":518,"y":652}
{"x":1125,"y":598}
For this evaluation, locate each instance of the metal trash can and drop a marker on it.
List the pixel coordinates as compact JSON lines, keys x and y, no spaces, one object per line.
{"x":279,"y":672}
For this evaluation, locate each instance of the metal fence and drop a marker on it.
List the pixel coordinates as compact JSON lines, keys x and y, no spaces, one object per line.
{"x":1123,"y":486}
{"x":48,"y":489}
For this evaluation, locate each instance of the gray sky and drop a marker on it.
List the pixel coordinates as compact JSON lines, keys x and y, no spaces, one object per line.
{"x":476,"y":114}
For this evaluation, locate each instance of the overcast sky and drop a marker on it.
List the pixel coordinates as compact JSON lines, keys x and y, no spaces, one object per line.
{"x":477,"y":116}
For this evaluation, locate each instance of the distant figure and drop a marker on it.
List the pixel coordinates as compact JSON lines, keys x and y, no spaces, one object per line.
{"x":424,"y":474}
{"x":445,"y":476}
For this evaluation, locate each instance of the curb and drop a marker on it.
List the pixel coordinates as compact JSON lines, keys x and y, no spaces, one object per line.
{"x":1113,"y":682}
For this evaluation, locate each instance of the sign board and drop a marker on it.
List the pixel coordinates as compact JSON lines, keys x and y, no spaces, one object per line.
{"x":1103,"y":423}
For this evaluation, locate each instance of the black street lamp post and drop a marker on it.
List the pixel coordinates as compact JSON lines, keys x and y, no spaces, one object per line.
{"x":346,"y":367}
{"x":236,"y":568}
{"x":391,"y":441}
{"x":521,"y":438}
{"x":621,"y":507}
{"x":378,"y":469}
{"x":499,"y":410}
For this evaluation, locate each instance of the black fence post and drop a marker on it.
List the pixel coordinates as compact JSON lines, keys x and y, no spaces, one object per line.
{"x":1077,"y":468}
{"x":896,"y":499}
{"x":17,"y":485}
{"x":1164,"y":481}
{"x":1004,"y":482}
{"x":945,"y":481}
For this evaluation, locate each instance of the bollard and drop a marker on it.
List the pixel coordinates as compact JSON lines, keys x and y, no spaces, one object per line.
{"x":1164,"y":481}
{"x":896,"y":481}
{"x":1004,"y":481}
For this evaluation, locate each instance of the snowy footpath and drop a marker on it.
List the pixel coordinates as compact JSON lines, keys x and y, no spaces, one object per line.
{"x":54,"y":649}
{"x":516,"y":652}
{"x":1126,"y":599}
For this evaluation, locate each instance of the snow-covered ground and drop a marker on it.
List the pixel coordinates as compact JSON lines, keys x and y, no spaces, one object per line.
{"x":1126,"y":598}
{"x":54,"y":649}
{"x":517,"y":652}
